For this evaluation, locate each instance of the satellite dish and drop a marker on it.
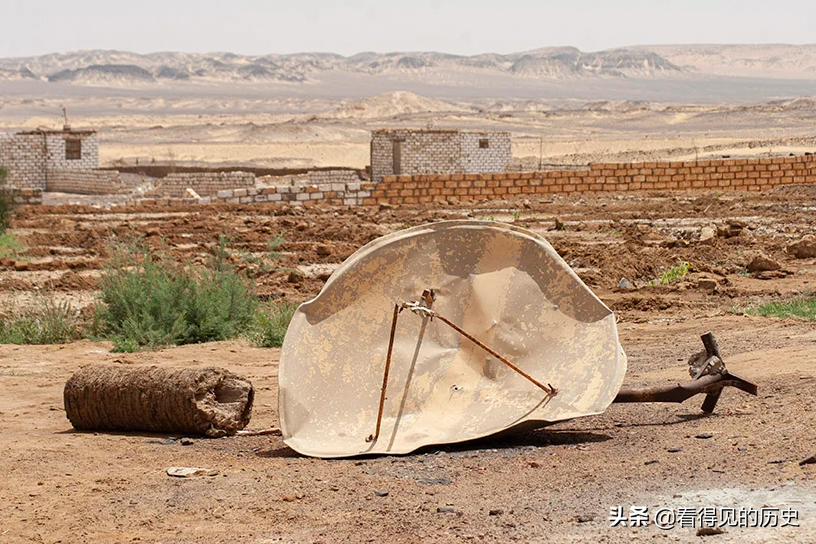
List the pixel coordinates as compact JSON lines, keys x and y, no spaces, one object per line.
{"x":444,"y":333}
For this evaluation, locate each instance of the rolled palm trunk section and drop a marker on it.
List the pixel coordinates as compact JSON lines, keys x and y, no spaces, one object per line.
{"x":203,"y":401}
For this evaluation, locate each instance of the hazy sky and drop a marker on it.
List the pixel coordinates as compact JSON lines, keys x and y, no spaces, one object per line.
{"x":351,"y":26}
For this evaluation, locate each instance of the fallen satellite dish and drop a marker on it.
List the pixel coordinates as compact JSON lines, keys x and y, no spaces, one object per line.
{"x":504,"y":286}
{"x":453,"y":331}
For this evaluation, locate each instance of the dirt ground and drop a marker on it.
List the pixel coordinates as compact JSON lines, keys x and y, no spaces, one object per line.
{"x":551,"y":485}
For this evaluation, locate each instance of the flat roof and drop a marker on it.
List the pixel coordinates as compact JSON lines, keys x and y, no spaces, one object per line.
{"x":51,"y":131}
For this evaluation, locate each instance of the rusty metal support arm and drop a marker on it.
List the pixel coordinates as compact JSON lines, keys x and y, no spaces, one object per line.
{"x":549,"y":389}
{"x":376,"y":435}
{"x":422,"y":308}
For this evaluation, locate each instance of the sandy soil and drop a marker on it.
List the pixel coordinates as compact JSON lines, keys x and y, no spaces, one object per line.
{"x":556,"y":484}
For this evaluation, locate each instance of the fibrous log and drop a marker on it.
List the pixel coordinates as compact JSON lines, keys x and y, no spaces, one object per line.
{"x":208,"y":401}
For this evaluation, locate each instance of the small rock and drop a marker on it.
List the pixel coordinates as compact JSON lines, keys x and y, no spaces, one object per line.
{"x":704,"y":435}
{"x":168,"y":442}
{"x":731,"y":229}
{"x":189,"y":472}
{"x":625,"y":284}
{"x":187,"y":441}
{"x":445,"y":510}
{"x":808,"y":460}
{"x":435,"y":481}
{"x":381,"y":493}
{"x":762,"y":263}
{"x":708,"y":235}
{"x":652,"y":462}
{"x":777,"y":461}
{"x":742,"y":448}
{"x":804,"y":248}
{"x":771,"y":275}
{"x":710,"y":531}
{"x":672,"y":242}
{"x":707,"y":284}
{"x":527,"y":204}
{"x":533,"y":464}
{"x":323,"y":250}
{"x":584,"y":518}
{"x":295,"y":276}
{"x":496,"y":512}
{"x":745,"y":234}
{"x":675,"y":450}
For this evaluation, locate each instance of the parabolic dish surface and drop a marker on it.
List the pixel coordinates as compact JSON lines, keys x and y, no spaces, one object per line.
{"x":504,"y":285}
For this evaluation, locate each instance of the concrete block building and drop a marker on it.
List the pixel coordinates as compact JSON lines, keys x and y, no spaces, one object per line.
{"x":32,"y":158}
{"x":414,"y":151}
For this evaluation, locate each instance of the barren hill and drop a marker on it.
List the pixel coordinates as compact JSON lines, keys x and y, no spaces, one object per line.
{"x":768,"y":61}
{"x":114,"y":67}
{"x":389,"y":105}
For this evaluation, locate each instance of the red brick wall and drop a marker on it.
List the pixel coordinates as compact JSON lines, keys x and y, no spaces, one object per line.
{"x":722,"y":174}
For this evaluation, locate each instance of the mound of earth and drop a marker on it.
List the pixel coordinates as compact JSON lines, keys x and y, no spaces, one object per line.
{"x":390,"y":105}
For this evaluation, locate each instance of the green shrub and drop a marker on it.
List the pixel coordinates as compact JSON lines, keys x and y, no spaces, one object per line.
{"x":672,"y":274}
{"x":150,"y":301}
{"x":9,"y":246}
{"x":802,"y":307}
{"x":271,"y":322}
{"x":256,"y":264}
{"x":6,"y":202}
{"x":46,"y":321}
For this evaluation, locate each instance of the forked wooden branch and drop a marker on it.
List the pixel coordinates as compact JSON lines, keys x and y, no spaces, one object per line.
{"x":710,"y":382}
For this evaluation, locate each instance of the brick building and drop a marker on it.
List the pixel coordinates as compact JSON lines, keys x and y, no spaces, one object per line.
{"x":35,"y":157}
{"x":413,"y":151}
